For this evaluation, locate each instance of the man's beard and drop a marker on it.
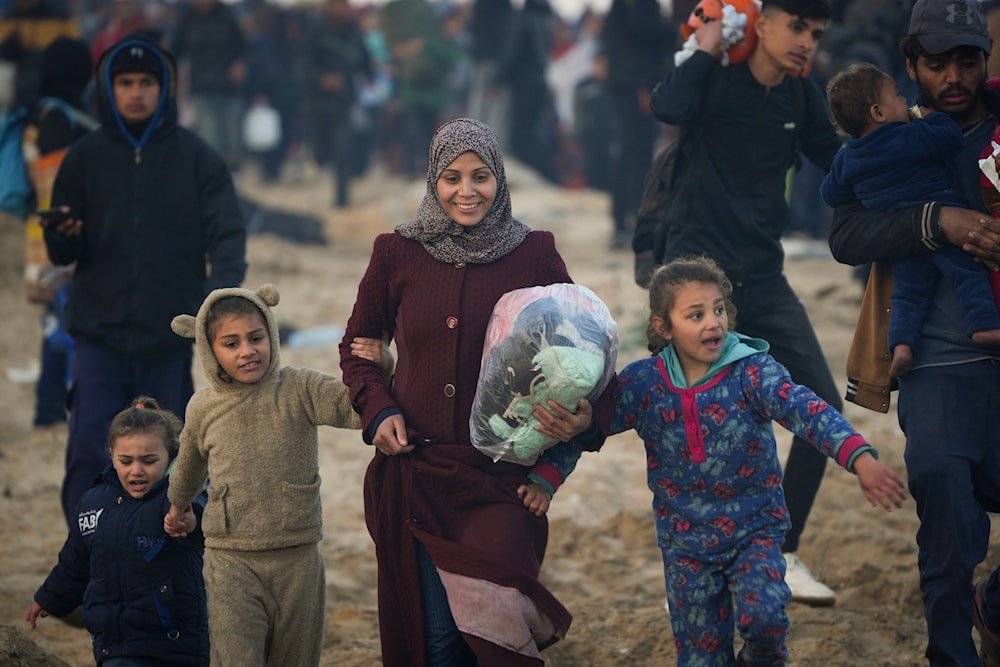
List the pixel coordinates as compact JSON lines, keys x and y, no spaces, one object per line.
{"x":960,"y":116}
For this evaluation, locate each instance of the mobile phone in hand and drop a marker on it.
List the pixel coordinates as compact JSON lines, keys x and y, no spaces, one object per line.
{"x":52,"y":216}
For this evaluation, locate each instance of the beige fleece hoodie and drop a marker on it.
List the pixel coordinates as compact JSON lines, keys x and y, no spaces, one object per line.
{"x":256,"y":443}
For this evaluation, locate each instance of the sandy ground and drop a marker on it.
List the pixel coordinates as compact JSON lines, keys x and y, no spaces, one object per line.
{"x":602,"y":560}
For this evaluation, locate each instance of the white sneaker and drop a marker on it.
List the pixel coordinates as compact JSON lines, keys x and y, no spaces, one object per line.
{"x":804,"y":588}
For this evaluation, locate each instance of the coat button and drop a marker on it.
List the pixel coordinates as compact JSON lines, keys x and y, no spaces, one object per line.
{"x":459,"y":265}
{"x":452,"y":322}
{"x":449,"y":390}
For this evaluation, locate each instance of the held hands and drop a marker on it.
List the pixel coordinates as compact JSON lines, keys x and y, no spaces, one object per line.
{"x":880,"y":484}
{"x":178,"y":522}
{"x":557,"y":422}
{"x":535,"y":498}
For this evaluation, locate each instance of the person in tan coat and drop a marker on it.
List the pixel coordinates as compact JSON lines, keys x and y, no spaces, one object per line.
{"x":253,"y":433}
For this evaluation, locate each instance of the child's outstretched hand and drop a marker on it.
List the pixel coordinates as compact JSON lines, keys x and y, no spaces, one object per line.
{"x":178,"y":522}
{"x":880,"y":484}
{"x":374,"y":349}
{"x":535,"y":498}
{"x":34,"y":611}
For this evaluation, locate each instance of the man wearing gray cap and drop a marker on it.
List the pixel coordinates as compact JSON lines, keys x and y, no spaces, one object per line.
{"x":948,"y":402}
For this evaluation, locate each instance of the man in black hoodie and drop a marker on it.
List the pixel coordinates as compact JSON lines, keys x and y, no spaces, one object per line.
{"x":148,"y":205}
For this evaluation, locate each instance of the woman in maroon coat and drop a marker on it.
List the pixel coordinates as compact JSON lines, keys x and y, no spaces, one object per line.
{"x":459,"y":539}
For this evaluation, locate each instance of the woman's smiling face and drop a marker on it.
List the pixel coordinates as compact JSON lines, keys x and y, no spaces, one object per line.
{"x":466,"y":189}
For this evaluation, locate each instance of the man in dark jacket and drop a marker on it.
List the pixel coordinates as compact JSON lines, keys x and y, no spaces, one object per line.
{"x":212,"y":42}
{"x":639,"y":43}
{"x":334,"y":60}
{"x":147,"y":203}
{"x":950,"y":397}
{"x":748,"y":122}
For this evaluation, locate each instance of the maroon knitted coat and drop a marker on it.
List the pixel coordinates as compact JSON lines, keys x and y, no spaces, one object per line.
{"x":454,"y":499}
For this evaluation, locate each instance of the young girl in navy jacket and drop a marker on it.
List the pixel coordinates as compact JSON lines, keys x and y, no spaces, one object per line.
{"x":142,"y":592}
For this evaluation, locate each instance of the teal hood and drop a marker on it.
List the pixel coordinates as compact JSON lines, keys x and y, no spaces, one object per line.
{"x":735,"y":347}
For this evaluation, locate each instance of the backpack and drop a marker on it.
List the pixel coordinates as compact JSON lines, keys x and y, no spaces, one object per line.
{"x":649,"y":240}
{"x":16,"y":193}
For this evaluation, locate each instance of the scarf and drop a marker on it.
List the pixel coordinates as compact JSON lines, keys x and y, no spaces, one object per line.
{"x":497,"y":234}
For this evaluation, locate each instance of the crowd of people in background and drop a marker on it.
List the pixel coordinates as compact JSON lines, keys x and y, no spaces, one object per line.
{"x":356,"y":85}
{"x":585,"y":102}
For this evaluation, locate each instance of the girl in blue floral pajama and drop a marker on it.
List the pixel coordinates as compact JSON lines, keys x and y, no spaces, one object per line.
{"x":703,"y":406}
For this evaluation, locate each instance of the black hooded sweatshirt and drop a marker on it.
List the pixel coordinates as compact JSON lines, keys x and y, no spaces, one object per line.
{"x":158,"y":207}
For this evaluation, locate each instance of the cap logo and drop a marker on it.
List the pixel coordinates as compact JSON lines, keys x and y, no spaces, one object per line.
{"x":136,"y":52}
{"x":959,"y":12}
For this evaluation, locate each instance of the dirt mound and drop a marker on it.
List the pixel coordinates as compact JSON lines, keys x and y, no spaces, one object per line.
{"x":17,"y":650}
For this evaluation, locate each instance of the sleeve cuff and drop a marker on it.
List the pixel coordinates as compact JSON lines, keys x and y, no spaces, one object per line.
{"x":930,"y":228}
{"x":368,"y":435}
{"x":547,"y":476}
{"x":852,"y":448}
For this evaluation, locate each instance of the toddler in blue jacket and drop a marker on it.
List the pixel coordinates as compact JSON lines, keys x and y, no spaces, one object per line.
{"x":142,"y":592}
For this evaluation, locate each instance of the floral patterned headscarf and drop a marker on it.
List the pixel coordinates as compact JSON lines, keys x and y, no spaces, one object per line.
{"x":497,"y":234}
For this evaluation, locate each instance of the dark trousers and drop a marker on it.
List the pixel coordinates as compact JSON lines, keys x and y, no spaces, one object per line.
{"x":103,"y":385}
{"x":915,"y":280}
{"x":445,"y":645}
{"x":417,"y":127}
{"x":951,"y":418}
{"x":636,"y":136}
{"x":333,"y":145}
{"x":596,"y":155}
{"x":769,"y":309}
{"x":51,"y":390}
{"x":533,"y":138}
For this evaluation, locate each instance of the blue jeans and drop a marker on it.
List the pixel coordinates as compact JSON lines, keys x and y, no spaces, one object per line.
{"x":444,"y":643}
{"x":951,"y":418}
{"x":52,"y":388}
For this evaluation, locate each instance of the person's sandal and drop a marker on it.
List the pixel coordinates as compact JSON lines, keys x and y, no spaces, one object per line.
{"x":989,"y":641}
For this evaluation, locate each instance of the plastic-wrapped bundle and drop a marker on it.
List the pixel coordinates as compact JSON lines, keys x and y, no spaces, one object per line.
{"x":554,"y":342}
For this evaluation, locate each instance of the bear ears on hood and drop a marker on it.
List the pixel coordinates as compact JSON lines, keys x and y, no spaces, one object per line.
{"x":265,"y":297}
